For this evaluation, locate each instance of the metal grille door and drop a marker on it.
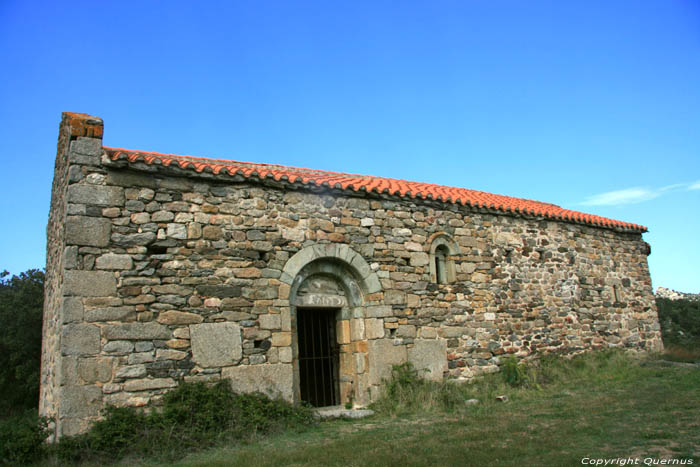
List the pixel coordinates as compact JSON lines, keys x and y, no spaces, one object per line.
{"x":318,"y":357}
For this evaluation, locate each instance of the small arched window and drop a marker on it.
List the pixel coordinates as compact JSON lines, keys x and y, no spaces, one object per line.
{"x":442,"y":252}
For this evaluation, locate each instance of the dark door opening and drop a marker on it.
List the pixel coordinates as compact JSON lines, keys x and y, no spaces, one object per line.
{"x":318,"y":357}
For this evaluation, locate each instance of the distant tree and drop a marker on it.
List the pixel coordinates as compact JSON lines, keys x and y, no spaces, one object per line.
{"x":21,"y":305}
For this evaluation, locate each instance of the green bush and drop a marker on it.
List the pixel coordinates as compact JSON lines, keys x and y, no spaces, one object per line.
{"x":123,"y":430}
{"x":519,"y":374}
{"x":513,"y":373}
{"x":22,"y":438}
{"x":193,"y":416}
{"x":680,"y":321}
{"x":407,"y":392}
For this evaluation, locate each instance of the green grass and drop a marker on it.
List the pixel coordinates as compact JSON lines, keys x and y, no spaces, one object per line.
{"x":602,"y":405}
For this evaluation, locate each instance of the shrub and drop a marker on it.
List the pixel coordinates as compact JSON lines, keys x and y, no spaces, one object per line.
{"x":680,"y":321}
{"x":513,"y":373}
{"x":192,"y":416}
{"x":407,"y":391}
{"x":22,"y":438}
{"x":519,"y":374}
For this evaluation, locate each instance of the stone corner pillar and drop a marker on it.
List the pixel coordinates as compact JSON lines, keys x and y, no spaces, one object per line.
{"x":79,"y":146}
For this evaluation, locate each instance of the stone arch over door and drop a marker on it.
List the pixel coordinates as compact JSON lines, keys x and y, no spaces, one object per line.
{"x":339,"y":254}
{"x":334,"y":278}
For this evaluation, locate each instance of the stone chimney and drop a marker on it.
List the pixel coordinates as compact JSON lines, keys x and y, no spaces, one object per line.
{"x":82,"y":125}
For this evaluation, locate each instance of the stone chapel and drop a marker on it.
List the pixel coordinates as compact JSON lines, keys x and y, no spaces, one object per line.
{"x":309,"y":285}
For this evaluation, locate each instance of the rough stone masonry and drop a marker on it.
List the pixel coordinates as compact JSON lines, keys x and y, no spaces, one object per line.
{"x":309,"y":285}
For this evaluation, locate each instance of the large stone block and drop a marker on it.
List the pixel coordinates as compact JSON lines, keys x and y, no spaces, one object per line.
{"x":113,"y":261}
{"x":80,"y":339}
{"x":136,"y":331}
{"x":383,"y":354}
{"x":178,"y":231}
{"x":127,"y":399}
{"x":480,"y":277}
{"x":73,"y":310}
{"x":221,"y":291}
{"x":119,"y":347}
{"x":87,"y":146}
{"x":92,"y":370}
{"x":372,"y":284}
{"x":395,"y":297}
{"x":79,"y":401}
{"x":298,"y":261}
{"x":88,"y":231}
{"x":173,"y":317}
{"x":67,"y":371}
{"x":216,"y":344}
{"x":361,"y":266}
{"x":357,"y":329}
{"x":508,"y":239}
{"x":172,"y":289}
{"x":137,"y":239}
{"x":130,"y":179}
{"x":406,"y":330}
{"x":70,"y":257}
{"x":281,"y":339}
{"x":131,"y":371}
{"x":429,"y":357}
{"x":115,"y":313}
{"x":182,"y":184}
{"x":374,"y":328}
{"x":90,"y":283}
{"x":453,"y":331}
{"x":269,"y":321}
{"x":378,"y":311}
{"x":149,"y":384}
{"x":98,"y":195}
{"x":72,"y":426}
{"x":273,"y":380}
{"x":419,"y":259}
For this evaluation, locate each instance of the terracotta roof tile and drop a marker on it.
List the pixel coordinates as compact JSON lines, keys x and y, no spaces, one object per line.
{"x":354,"y":182}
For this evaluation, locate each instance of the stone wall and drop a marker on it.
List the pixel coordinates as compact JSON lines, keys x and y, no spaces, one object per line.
{"x":168,"y":275}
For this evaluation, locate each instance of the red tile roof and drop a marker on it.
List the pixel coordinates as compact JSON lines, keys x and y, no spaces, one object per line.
{"x":401,"y":188}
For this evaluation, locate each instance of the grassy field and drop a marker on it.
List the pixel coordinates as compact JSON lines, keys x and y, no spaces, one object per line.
{"x":600,"y":406}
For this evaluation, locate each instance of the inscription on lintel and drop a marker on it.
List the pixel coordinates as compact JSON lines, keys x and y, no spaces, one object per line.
{"x":321,"y":301}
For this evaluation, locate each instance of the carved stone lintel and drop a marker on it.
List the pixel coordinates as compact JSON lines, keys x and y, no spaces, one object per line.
{"x":321,"y":301}
{"x":320,"y":285}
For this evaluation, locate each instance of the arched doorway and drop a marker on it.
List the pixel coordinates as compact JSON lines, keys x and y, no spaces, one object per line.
{"x":319,"y":303}
{"x":327,"y":286}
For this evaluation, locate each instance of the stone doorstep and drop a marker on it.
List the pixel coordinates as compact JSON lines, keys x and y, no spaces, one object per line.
{"x":339,"y":411}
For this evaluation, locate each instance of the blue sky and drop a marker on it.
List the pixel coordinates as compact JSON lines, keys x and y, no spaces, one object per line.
{"x":592,"y":105}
